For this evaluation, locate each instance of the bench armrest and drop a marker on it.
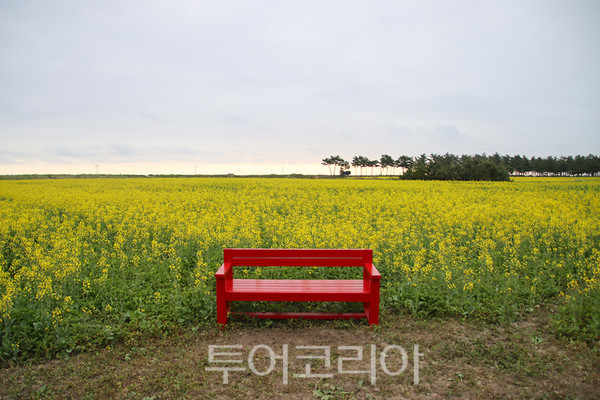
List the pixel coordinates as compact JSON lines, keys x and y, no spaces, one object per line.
{"x":372,"y":271}
{"x":224,"y":271}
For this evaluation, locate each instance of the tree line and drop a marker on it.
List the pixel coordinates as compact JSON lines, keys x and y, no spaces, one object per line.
{"x":494,"y":167}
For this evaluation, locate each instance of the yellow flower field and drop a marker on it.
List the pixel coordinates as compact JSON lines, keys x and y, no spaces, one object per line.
{"x":88,"y":261}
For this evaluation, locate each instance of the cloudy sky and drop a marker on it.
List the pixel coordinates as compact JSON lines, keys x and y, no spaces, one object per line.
{"x":240,"y":86}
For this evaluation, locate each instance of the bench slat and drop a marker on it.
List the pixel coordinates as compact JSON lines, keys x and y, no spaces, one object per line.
{"x":298,"y":257}
{"x":297,"y":262}
{"x":366,"y":254}
{"x":299,"y":285}
{"x":297,"y":290}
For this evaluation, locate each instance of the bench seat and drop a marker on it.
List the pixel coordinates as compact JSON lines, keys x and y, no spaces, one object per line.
{"x":297,"y":290}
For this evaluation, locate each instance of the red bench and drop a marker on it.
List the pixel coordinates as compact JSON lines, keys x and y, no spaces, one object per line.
{"x":364,"y":290}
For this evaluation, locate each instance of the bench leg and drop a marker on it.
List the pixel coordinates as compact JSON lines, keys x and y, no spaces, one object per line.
{"x":373,"y":313}
{"x":373,"y":305}
{"x":222,"y":304}
{"x":222,"y":309}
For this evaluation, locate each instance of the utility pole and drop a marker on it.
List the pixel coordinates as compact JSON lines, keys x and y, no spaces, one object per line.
{"x":195,"y":170}
{"x":96,"y":169}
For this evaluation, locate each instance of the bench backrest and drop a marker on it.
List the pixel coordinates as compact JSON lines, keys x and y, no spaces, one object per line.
{"x":298,"y":257}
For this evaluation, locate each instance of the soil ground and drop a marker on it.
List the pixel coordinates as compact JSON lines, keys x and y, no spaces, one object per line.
{"x":454,"y":360}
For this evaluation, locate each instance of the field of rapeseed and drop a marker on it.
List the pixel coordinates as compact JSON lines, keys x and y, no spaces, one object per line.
{"x":87,"y":262}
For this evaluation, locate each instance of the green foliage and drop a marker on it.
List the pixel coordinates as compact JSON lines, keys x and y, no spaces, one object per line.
{"x":327,"y":391}
{"x":336,"y":161}
{"x":579,"y":316}
{"x":451,"y":167}
{"x":478,"y":167}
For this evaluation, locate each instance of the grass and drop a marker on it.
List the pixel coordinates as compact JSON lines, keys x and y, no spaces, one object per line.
{"x":460,"y":359}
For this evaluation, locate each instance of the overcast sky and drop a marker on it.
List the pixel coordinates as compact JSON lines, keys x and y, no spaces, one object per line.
{"x":284,"y":83}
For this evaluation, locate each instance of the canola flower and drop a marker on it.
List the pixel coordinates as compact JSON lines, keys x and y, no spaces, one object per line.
{"x":139,"y":254}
